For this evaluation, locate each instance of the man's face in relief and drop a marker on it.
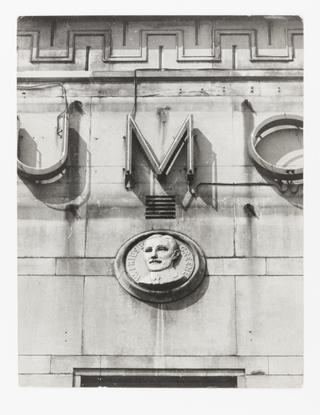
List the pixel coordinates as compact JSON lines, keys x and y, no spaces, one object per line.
{"x":160,"y":251}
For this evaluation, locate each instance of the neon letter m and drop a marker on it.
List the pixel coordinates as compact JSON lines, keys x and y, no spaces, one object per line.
{"x":160,"y":168}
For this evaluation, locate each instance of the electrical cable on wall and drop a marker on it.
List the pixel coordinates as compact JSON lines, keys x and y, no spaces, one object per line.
{"x":43,"y":86}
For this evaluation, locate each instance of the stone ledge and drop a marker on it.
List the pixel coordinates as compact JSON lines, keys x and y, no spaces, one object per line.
{"x":252,"y":365}
{"x":275,"y":381}
{"x":286,"y":365}
{"x":36,"y":266}
{"x":220,"y":74}
{"x":84,"y":266}
{"x":46,"y":380}
{"x":66,"y":364}
{"x":284,"y":266}
{"x":236,"y":266}
{"x":34,"y":364}
{"x":229,"y":266}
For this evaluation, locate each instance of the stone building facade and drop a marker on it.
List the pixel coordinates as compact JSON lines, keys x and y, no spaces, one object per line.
{"x":77,"y":326}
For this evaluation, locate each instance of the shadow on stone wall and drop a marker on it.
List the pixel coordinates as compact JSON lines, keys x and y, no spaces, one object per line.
{"x":187,"y":301}
{"x":206,"y":169}
{"x":27,"y":148}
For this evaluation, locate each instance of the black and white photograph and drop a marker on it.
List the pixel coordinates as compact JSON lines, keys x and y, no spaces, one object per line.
{"x":160,"y":201}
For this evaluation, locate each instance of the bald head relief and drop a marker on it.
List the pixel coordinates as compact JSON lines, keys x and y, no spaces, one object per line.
{"x":160,"y":252}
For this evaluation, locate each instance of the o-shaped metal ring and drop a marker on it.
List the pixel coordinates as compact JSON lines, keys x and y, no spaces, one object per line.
{"x":271,"y":170}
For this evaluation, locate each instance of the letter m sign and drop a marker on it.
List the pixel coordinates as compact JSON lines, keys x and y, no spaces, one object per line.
{"x":184,"y":136}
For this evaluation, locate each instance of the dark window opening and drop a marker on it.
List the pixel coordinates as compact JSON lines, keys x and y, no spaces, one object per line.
{"x":130,"y":381}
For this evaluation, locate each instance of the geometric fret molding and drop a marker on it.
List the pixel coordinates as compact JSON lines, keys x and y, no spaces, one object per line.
{"x":253,"y":42}
{"x":143,"y":46}
{"x":37,"y":57}
{"x":217,"y":50}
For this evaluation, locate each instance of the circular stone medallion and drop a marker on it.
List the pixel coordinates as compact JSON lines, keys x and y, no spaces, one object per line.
{"x":160,"y":266}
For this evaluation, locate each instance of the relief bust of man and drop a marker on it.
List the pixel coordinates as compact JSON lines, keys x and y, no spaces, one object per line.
{"x":160,"y":266}
{"x":161,"y":253}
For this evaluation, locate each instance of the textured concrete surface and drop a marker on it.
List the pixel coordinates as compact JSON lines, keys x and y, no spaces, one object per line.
{"x":278,"y":230}
{"x":54,"y":381}
{"x":252,"y":365}
{"x":84,"y":266}
{"x":44,"y":232}
{"x":269,"y":315}
{"x":114,"y":322}
{"x":66,"y":364}
{"x":203,"y":328}
{"x":50,"y":315}
{"x":274,"y":381}
{"x":286,"y":365}
{"x":203,"y":323}
{"x":34,"y":364}
{"x":284,"y":266}
{"x":236,"y":266}
{"x":36,"y":266}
